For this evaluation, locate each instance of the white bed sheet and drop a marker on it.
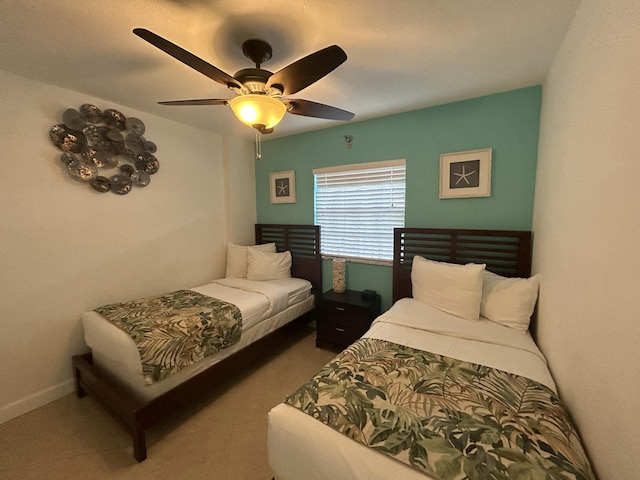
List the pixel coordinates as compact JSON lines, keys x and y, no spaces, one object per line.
{"x":302,"y":447}
{"x":116,"y":352}
{"x":256,"y":300}
{"x":483,"y":341}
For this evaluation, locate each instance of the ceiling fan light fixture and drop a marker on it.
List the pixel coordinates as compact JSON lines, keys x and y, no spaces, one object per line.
{"x":259,"y":103}
{"x":258,"y":111}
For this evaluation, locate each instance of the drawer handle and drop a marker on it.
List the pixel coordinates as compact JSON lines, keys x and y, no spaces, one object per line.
{"x":339,"y":329}
{"x":340,"y":308}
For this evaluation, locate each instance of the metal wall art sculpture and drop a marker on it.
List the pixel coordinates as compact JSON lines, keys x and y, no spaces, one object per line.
{"x":105,"y":149}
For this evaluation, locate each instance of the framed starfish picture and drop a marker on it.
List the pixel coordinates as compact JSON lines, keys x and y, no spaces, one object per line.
{"x":283,"y":186}
{"x":465,"y":174}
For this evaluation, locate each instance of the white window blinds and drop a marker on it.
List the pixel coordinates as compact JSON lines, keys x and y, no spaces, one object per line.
{"x":357,"y":208}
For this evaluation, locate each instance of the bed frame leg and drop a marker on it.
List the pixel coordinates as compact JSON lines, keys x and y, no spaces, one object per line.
{"x":139,"y":445}
{"x":80,"y":392}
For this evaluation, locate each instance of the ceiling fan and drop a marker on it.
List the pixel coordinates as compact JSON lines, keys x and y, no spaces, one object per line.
{"x":259,"y":101}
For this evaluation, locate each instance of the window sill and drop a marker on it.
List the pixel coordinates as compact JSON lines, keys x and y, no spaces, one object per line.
{"x":367,"y":261}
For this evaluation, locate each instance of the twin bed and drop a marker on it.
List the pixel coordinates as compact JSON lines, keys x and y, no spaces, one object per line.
{"x":447,"y":384}
{"x":201,"y":335}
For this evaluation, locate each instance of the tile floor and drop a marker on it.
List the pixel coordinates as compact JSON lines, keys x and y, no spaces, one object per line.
{"x":220,"y":437}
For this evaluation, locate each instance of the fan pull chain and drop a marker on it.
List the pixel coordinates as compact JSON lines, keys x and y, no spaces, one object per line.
{"x":258,"y":146}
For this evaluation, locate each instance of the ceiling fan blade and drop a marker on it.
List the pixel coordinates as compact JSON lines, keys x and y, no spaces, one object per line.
{"x":307,"y":70}
{"x":187,"y":58}
{"x":318,"y":110}
{"x":204,"y":101}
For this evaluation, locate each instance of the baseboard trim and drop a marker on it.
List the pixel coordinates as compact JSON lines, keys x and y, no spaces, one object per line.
{"x":36,"y":400}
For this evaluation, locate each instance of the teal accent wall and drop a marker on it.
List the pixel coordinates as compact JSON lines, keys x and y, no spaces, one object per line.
{"x":506,"y":122}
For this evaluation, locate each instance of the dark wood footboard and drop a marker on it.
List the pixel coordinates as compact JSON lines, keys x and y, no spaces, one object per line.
{"x":117,"y":400}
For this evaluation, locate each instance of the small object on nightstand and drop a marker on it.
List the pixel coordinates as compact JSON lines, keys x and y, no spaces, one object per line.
{"x":369,"y":294}
{"x":342,"y":318}
{"x":338,"y":270}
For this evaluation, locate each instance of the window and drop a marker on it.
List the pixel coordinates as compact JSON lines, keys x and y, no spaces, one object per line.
{"x":357,"y":208}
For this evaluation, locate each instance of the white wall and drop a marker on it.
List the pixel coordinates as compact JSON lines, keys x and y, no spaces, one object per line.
{"x":587,"y":229}
{"x":240,"y":190}
{"x":65,"y":249}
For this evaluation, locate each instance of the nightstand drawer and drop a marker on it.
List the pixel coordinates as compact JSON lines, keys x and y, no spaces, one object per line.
{"x":345,"y":313}
{"x":343,"y":318}
{"x":342,"y":329}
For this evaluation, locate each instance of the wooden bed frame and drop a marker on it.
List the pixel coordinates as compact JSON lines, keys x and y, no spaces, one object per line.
{"x":505,"y":252}
{"x":303,"y":241}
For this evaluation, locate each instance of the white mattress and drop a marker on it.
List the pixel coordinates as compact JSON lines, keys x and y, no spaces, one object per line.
{"x":302,"y":447}
{"x":265,"y":306}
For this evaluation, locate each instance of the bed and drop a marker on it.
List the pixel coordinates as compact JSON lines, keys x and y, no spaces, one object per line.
{"x":262,"y":293}
{"x":447,"y":384}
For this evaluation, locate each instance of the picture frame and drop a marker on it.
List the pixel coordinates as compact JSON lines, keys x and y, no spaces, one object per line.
{"x":466,"y":174}
{"x":282,"y":186}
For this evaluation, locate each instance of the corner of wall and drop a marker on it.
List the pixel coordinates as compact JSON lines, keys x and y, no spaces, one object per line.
{"x":239,"y":189}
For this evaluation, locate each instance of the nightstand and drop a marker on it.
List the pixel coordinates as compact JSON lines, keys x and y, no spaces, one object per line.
{"x":342,"y":318}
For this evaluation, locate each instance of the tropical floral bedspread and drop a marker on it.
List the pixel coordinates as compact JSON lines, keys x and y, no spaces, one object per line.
{"x":175,"y":330}
{"x":448,"y":418}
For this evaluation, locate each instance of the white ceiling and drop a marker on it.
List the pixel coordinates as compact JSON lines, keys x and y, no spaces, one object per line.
{"x":402,"y":55}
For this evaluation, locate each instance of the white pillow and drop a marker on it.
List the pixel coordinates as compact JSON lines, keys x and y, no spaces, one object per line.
{"x":268,"y":266}
{"x":509,"y":301}
{"x":237,"y":258}
{"x":452,"y":288}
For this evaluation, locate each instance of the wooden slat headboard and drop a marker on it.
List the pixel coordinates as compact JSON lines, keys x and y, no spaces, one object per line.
{"x":303,"y":241}
{"x":505,"y":252}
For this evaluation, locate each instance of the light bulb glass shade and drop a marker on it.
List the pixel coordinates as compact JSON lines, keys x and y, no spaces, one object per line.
{"x":258,"y":111}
